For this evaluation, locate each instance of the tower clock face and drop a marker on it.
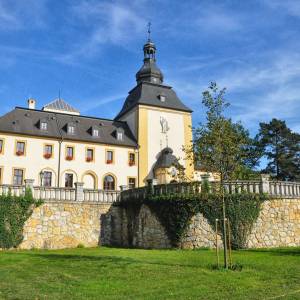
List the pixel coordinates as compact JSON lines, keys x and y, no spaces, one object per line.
{"x":173,"y":172}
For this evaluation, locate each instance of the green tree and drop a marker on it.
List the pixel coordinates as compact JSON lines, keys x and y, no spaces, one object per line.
{"x":222,"y":146}
{"x":281,"y":147}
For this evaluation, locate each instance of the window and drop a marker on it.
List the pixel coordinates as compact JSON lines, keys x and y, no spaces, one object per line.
{"x":1,"y":146}
{"x":95,"y":132}
{"x":69,"y":153}
{"x":20,"y":148}
{"x":71,"y":129}
{"x":109,"y":156}
{"x":44,"y":125}
{"x":131,"y":182}
{"x":119,"y":136}
{"x":48,"y":151}
{"x":131,"y":159}
{"x":162,"y":97}
{"x":68,"y":180}
{"x":47,"y":178}
{"x":109,"y":183}
{"x":18,"y":176}
{"x":89,"y":155}
{"x":1,"y":175}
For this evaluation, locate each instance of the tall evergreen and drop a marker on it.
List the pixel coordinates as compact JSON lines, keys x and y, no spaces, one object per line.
{"x":281,"y":147}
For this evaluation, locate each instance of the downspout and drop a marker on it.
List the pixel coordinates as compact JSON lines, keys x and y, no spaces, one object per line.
{"x":59,"y":157}
{"x":59,"y":151}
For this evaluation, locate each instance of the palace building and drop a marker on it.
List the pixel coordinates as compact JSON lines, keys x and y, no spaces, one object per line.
{"x":57,"y":146}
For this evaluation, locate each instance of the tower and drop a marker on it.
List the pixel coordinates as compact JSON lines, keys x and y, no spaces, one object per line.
{"x":157,"y":117}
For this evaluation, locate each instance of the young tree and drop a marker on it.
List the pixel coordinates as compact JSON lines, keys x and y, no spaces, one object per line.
{"x":222,"y":146}
{"x":281,"y":147}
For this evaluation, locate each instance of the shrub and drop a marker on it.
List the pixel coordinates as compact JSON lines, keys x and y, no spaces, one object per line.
{"x":14,"y":211}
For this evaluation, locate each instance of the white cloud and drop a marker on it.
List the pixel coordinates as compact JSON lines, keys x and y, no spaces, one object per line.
{"x":259,"y":89}
{"x":107,"y":24}
{"x":22,"y":15}
{"x":291,"y":7}
{"x":218,"y":20}
{"x":90,"y":105}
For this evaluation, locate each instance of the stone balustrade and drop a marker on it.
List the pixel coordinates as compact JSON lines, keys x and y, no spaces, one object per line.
{"x":15,"y":190}
{"x":77,"y":194}
{"x":276,"y":189}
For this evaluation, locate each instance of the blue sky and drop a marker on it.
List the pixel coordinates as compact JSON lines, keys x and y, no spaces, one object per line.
{"x":91,"y":50}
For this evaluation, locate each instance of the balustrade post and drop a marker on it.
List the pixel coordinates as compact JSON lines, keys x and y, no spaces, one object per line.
{"x":29,"y":184}
{"x":151,"y":183}
{"x":79,"y":195}
{"x":265,"y":183}
{"x":122,"y":189}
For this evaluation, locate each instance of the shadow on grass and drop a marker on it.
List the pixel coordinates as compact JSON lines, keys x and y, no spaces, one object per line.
{"x":76,"y":257}
{"x":112,"y":260}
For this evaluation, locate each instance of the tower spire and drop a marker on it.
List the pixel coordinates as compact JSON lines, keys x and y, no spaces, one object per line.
{"x":149,"y":71}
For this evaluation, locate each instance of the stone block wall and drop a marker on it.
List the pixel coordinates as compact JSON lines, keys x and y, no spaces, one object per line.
{"x":56,"y":225}
{"x":141,"y":231}
{"x":145,"y":231}
{"x":200,"y":234}
{"x":278,"y":225}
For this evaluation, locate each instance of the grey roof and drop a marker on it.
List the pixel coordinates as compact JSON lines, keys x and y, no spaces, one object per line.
{"x":26,"y":121}
{"x":149,"y":72}
{"x":60,"y":104}
{"x":147,"y":93}
{"x":166,"y":159}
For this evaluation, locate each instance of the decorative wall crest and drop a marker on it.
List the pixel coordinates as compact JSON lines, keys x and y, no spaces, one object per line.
{"x":164,"y":125}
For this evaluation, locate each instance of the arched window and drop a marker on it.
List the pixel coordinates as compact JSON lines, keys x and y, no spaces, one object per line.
{"x":109,"y":183}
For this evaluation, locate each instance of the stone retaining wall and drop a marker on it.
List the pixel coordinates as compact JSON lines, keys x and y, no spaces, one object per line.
{"x":278,"y":225}
{"x":56,"y":225}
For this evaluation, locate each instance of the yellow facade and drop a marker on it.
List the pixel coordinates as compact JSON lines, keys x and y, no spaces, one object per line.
{"x":143,"y":145}
{"x":188,"y":136}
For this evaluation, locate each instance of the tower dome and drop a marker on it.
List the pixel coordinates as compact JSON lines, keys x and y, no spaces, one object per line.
{"x":149,"y":71}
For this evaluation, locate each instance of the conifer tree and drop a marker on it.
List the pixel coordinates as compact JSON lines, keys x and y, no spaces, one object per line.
{"x":281,"y":147}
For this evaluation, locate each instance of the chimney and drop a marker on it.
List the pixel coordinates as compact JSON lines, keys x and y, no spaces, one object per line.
{"x":31,"y":103}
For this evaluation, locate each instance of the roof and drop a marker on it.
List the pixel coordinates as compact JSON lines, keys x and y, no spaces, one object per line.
{"x":60,"y":105}
{"x":149,"y":72}
{"x":26,"y":121}
{"x":148,"y":93}
{"x":166,"y":159}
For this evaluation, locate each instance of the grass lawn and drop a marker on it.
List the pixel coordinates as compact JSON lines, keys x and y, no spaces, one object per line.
{"x":111,"y":273}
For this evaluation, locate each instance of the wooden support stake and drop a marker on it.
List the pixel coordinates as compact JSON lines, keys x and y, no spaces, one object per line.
{"x":229,"y":242}
{"x":217,"y":247}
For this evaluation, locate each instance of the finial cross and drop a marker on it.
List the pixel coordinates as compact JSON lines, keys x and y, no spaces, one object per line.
{"x":149,"y":30}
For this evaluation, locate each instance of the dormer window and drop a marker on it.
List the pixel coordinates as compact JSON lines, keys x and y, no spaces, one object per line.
{"x":162,"y":97}
{"x":120,"y":136}
{"x":95,"y":132}
{"x":71,"y":129}
{"x":44,"y":125}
